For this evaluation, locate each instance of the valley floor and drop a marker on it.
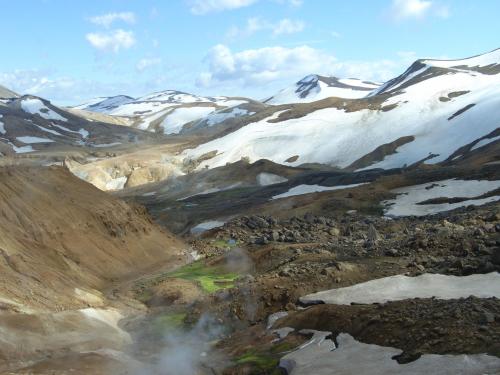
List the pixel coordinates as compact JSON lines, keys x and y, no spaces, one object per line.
{"x":415,"y":294}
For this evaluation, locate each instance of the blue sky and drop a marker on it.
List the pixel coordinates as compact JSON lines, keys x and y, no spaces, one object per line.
{"x":70,"y":51}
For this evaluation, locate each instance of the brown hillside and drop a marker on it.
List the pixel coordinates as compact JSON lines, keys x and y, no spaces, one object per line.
{"x":62,"y":238}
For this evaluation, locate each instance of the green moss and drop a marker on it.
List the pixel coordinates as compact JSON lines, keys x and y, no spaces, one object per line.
{"x":211,"y":279}
{"x":265,"y":361}
{"x":169,"y":321}
{"x":262,"y":362}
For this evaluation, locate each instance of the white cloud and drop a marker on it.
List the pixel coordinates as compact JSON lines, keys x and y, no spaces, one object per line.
{"x":261,"y":65}
{"x":287,"y":26}
{"x":402,"y":9}
{"x":146,"y":63}
{"x":200,"y":7}
{"x":256,"y":24}
{"x":107,"y":19}
{"x":111,"y":41}
{"x":35,"y":82}
{"x":417,"y":9}
{"x":272,"y":66}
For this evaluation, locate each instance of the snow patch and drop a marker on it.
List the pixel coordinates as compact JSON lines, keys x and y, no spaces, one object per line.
{"x":29,"y":140}
{"x":484,"y":142}
{"x":107,"y":144}
{"x":105,"y":104}
{"x":174,"y":122}
{"x":265,"y":179}
{"x":400,"y":287}
{"x":206,"y":225}
{"x":84,"y":133}
{"x":148,"y":120}
{"x":405,"y":204}
{"x":48,"y":130}
{"x":307,"y":189}
{"x":354,"y":357}
{"x":309,"y":353}
{"x":22,"y":149}
{"x":221,"y":116}
{"x":36,"y":106}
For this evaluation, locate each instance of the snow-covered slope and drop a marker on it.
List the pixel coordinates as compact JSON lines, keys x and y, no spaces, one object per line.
{"x":226,"y":119}
{"x":105,"y":104}
{"x":488,"y":64}
{"x":165,"y":111}
{"x":315,"y":87}
{"x":487,"y":60}
{"x":427,"y":113}
{"x":30,"y":123}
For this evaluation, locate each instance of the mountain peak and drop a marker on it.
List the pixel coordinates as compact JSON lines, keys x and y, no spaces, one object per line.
{"x":315,"y":87}
{"x":424,"y":69}
{"x":479,"y":62}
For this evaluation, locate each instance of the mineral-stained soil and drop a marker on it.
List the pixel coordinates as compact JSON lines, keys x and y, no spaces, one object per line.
{"x":60,"y":233}
{"x":64,"y":245}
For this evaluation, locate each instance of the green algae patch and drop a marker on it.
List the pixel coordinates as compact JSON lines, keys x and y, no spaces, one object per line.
{"x":169,"y":322}
{"x":261,"y":363}
{"x":210,"y":278}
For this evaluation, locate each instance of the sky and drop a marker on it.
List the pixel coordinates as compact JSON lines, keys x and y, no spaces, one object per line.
{"x":72,"y":51}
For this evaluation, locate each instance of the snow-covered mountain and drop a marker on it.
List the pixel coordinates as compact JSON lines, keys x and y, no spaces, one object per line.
{"x":435,"y":111}
{"x":164,"y":112}
{"x":105,"y":104}
{"x":315,"y":87}
{"x":30,"y":123}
